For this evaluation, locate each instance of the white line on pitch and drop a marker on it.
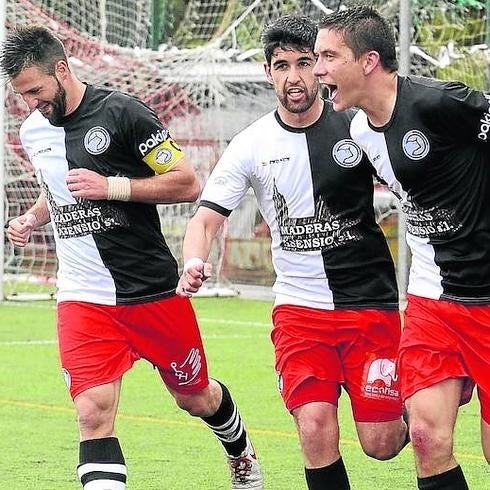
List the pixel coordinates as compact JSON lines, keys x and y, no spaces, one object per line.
{"x":28,"y":342}
{"x":53,"y":342}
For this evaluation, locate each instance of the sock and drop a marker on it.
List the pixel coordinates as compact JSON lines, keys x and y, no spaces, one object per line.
{"x":452,"y":479}
{"x":102,"y":465}
{"x":227,"y":425}
{"x":333,"y":476}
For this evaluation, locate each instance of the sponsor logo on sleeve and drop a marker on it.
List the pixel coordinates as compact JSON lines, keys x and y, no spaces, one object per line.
{"x":346,"y":153}
{"x":97,"y":140}
{"x":153,"y":141}
{"x":160,"y":152}
{"x":485,"y":122}
{"x":415,"y":145}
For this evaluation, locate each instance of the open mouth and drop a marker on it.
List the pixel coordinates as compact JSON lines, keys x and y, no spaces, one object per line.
{"x":295,"y":93}
{"x":331,"y":90}
{"x":44,"y":107}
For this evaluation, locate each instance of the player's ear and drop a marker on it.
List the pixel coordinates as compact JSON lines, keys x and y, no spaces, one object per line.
{"x":268,"y":74}
{"x":370,"y":61}
{"x":61,"y":69}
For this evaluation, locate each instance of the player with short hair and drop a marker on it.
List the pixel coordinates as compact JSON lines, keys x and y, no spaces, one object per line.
{"x":336,"y":320}
{"x":428,"y":140}
{"x":103,"y":161}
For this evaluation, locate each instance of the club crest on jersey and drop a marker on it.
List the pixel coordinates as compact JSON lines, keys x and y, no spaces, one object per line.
{"x":97,"y":140}
{"x":346,"y":153}
{"x":415,"y":145}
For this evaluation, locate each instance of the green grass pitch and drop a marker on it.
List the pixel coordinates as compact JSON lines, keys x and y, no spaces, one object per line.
{"x":164,"y":447}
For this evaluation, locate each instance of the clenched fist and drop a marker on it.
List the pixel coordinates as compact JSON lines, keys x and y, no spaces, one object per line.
{"x":20,"y":228}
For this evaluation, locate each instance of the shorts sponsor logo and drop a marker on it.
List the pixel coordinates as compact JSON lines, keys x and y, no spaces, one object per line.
{"x":415,"y":145}
{"x":97,"y":140}
{"x":346,"y":153}
{"x":188,"y":370}
{"x":380,"y":379}
{"x":154,"y":140}
{"x":485,"y":122}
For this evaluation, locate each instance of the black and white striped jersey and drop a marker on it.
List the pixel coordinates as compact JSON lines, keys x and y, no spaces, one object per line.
{"x":314,"y":188}
{"x":109,"y":252}
{"x":434,"y":153}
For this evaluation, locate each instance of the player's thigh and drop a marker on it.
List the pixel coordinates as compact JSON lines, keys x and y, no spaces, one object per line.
{"x":318,"y":430}
{"x":432,"y":411}
{"x":96,"y":410}
{"x":381,"y":440}
{"x":369,"y":360}
{"x":485,"y":439}
{"x":93,"y":345}
{"x":485,"y":422}
{"x":307,"y":361}
{"x":166,"y":333}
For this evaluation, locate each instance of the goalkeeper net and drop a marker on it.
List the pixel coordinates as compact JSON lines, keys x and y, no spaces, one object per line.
{"x":206,"y":83}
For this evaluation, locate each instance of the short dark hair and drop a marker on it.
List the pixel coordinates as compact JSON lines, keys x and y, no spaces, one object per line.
{"x":27,"y":46}
{"x":290,"y":32}
{"x":363,"y":29}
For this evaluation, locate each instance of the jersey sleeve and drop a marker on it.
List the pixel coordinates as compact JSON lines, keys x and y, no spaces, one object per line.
{"x":230,"y":179}
{"x":148,"y":140}
{"x":465,"y":113}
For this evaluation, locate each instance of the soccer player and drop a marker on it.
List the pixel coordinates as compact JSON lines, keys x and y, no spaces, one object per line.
{"x":428,"y":140}
{"x":103,"y":160}
{"x":336,"y":320}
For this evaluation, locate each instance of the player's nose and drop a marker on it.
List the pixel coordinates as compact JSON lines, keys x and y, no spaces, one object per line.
{"x":31,"y":101}
{"x":319,"y":68}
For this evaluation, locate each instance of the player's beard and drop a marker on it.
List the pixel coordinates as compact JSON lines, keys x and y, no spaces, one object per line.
{"x":297,"y":107}
{"x":58,"y":105}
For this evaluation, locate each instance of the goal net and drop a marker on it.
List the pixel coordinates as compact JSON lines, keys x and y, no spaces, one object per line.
{"x":206,"y":83}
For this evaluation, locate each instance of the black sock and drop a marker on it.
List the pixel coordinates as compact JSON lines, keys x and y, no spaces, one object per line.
{"x":101,"y":459}
{"x":227,"y":425}
{"x":333,"y":476}
{"x":452,"y":479}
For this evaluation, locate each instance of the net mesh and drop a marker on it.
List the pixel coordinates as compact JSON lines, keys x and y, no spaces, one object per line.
{"x":206,"y":83}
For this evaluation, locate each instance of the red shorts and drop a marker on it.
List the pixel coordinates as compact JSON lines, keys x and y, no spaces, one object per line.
{"x":99,"y":343}
{"x":318,"y":351}
{"x":442,"y":340}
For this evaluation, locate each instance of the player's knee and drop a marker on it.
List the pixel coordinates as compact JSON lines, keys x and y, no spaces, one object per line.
{"x":310,"y":425}
{"x":426,"y":441}
{"x":381,"y":446}
{"x":197,"y":405}
{"x":95,"y":417}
